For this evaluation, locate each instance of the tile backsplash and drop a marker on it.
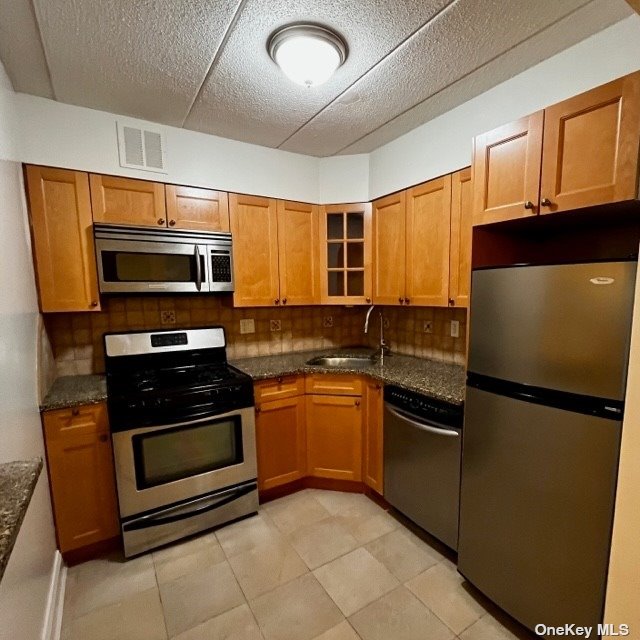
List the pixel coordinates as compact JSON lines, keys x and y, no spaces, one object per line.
{"x":76,"y":338}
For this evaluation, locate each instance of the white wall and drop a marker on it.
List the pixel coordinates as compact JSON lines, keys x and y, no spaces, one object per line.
{"x":444,"y":144}
{"x":344,"y":179}
{"x":25,"y":585}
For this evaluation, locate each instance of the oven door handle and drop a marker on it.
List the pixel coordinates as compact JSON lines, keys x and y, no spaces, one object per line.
{"x":198,"y":269}
{"x":184,"y":511}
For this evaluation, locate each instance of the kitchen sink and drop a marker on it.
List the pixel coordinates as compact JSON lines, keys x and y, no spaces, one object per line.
{"x":342,"y":361}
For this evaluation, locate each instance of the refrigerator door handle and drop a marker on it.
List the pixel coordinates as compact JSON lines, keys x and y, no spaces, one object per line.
{"x":439,"y":431}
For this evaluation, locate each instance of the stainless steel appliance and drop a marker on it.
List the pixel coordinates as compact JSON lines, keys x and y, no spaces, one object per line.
{"x":422,"y":445}
{"x":137,"y":260}
{"x":183,"y":430}
{"x":543,"y":414}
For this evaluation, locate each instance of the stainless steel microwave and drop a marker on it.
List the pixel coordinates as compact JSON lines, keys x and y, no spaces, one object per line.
{"x":137,"y":260}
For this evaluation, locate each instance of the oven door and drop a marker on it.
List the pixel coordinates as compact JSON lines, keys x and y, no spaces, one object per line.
{"x":159,"y":466}
{"x":138,"y":266}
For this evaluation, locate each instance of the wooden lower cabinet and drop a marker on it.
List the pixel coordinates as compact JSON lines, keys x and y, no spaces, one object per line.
{"x":80,"y":462}
{"x":280,"y":441}
{"x":334,"y":437}
{"x":372,"y":463}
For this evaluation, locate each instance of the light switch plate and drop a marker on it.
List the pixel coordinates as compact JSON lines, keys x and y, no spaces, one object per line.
{"x":455,"y":328}
{"x":247,"y":325}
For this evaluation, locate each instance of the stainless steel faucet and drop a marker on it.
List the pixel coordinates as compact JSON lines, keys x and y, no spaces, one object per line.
{"x":382,"y":347}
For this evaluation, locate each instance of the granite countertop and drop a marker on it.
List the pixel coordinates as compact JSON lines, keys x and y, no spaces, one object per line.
{"x":433,"y":378}
{"x":17,"y":482}
{"x":72,"y":391}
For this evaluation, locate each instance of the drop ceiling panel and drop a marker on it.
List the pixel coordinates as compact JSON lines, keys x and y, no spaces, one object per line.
{"x":465,"y":36}
{"x":590,"y":19}
{"x":21,"y":49}
{"x":246,"y":96}
{"x":143,"y":58}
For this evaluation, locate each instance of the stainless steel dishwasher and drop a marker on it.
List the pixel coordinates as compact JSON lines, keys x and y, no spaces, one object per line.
{"x":422,"y":452}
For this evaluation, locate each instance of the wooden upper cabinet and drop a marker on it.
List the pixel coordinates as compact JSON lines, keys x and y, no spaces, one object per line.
{"x":591,"y":145}
{"x":298,"y":253}
{"x":461,"y":232}
{"x":80,"y":465}
{"x":126,"y":201}
{"x":345,"y":253}
{"x":428,"y":237}
{"x":389,"y":231}
{"x":506,"y":168}
{"x":197,"y":209}
{"x":254,"y":227}
{"x":64,"y":254}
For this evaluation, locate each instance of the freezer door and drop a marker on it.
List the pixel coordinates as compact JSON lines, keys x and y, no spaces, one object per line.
{"x":563,"y":327}
{"x":536,"y":508}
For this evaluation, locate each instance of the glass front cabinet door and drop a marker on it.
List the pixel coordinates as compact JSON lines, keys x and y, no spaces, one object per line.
{"x":345,"y":256}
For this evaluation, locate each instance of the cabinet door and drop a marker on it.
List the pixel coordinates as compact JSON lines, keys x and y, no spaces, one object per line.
{"x":278,"y":388}
{"x":254,"y":227}
{"x":125,"y":201}
{"x":428,"y":238}
{"x":60,"y":216}
{"x":590,"y":149}
{"x":197,"y":209}
{"x":389,"y":216}
{"x":298,"y":253}
{"x":506,"y":170}
{"x":373,"y":437}
{"x":280,"y":442}
{"x":80,"y":463}
{"x":461,"y":232}
{"x":334,"y":437}
{"x":345,"y":254}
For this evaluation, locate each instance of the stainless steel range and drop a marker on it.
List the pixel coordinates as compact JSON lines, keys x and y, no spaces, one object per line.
{"x":183,"y":428}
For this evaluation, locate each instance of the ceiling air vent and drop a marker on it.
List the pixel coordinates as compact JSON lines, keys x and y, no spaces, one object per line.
{"x":141,"y":148}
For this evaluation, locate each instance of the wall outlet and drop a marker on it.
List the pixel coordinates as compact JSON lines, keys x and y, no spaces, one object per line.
{"x":247,"y":325}
{"x":455,"y":329}
{"x":327,"y":321}
{"x":427,"y":326}
{"x":275,"y":325}
{"x":167,"y":316}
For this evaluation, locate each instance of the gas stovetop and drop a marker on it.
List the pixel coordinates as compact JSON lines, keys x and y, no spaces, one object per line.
{"x":166,"y":377}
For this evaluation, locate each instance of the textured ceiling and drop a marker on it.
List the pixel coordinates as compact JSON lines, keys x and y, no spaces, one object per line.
{"x":203,"y":64}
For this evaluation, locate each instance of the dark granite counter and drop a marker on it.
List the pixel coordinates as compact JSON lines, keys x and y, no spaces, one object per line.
{"x":436,"y":379}
{"x":17,"y":482}
{"x":72,"y":391}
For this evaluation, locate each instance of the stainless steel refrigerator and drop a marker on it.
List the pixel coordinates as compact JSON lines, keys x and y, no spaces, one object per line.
{"x":548,"y":360}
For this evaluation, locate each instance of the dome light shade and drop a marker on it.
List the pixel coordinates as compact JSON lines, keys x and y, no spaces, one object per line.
{"x":307,"y":54}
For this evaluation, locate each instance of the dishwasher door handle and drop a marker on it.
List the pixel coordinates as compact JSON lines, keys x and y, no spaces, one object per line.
{"x":450,"y":433}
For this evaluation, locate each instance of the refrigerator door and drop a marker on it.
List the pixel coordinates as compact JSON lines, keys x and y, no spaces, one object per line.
{"x":562,"y":327}
{"x":537,"y":496}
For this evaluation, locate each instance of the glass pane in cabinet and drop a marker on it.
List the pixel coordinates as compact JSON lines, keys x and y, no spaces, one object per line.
{"x":355,"y":226}
{"x":335,"y":255}
{"x":336,"y":283}
{"x":355,"y":283}
{"x":335,"y":228}
{"x":355,"y":255}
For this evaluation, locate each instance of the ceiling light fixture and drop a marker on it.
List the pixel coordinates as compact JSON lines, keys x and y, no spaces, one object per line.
{"x":308,"y":54}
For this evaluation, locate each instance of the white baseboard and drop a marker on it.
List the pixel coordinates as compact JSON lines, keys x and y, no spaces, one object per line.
{"x":55,"y":600}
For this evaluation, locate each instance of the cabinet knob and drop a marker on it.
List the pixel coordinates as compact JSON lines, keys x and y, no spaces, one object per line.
{"x":529,"y":205}
{"x":452,"y":302}
{"x":401,"y":300}
{"x":545,"y":202}
{"x":172,"y":223}
{"x":103,"y":437}
{"x":378,"y":387}
{"x":357,"y":403}
{"x":160,"y":221}
{"x":279,"y":379}
{"x":94,"y":303}
{"x":368,"y":300}
{"x":257,"y":409}
{"x":277,"y":301}
{"x":407,"y":301}
{"x":284,"y":301}
{"x":75,"y":412}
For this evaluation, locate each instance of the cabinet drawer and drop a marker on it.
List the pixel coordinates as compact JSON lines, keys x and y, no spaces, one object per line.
{"x":334,"y":384}
{"x":66,"y":423}
{"x":279,"y":388}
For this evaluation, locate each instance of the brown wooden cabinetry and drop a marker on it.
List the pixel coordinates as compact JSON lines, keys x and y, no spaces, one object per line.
{"x":126,"y":201}
{"x":581,"y":152}
{"x":345,"y":254}
{"x":197,"y":209}
{"x":372,"y":462}
{"x":461,"y":233}
{"x":80,"y":462}
{"x":64,"y":255}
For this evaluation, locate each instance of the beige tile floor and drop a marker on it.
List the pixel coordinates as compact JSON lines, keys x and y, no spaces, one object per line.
{"x":316,"y":565}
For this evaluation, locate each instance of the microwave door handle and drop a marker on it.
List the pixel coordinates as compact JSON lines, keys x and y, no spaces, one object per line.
{"x":198,"y":269}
